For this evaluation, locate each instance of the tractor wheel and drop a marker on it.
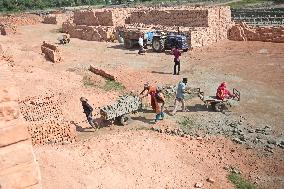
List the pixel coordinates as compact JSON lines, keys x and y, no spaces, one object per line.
{"x":219,"y":107}
{"x":158,"y":45}
{"x":124,"y":119}
{"x":128,"y":43}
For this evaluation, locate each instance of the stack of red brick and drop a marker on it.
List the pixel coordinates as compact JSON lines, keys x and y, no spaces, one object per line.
{"x":49,"y":20}
{"x":51,"y":52}
{"x":18,"y":167}
{"x":47,"y":125}
{"x":243,"y":32}
{"x":8,"y":24}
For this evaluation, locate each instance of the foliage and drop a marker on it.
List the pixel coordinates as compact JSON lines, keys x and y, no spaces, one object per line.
{"x":21,"y":5}
{"x":87,"y":81}
{"x":240,"y":182}
{"x":186,"y":124}
{"x":243,"y":3}
{"x":113,"y":85}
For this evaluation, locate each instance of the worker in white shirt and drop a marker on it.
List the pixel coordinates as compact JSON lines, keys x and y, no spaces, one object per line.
{"x":141,"y":46}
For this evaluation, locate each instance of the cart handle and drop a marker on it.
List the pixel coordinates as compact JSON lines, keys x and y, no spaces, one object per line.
{"x":237,"y":94}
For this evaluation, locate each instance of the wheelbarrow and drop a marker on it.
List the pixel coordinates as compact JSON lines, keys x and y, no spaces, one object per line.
{"x":217,"y":104}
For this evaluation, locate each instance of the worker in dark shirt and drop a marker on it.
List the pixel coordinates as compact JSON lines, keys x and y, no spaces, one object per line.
{"x":88,"y":111}
{"x":175,"y":51}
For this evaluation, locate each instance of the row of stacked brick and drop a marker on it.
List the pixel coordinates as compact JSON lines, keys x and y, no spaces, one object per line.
{"x":18,"y":167}
{"x":9,"y":23}
{"x":51,"y":52}
{"x":242,"y":32}
{"x":53,"y":133}
{"x":47,"y":123}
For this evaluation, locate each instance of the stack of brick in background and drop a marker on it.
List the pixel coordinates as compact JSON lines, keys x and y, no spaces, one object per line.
{"x":124,"y":105}
{"x":20,"y":19}
{"x":96,"y":25}
{"x":49,"y":20}
{"x":47,"y":124}
{"x":89,"y":33}
{"x":51,"y":52}
{"x":18,"y":167}
{"x":186,"y":18}
{"x":7,"y":29}
{"x":203,"y":25}
{"x":243,"y":32}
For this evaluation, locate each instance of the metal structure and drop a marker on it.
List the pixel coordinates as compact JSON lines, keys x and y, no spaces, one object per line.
{"x":217,"y":104}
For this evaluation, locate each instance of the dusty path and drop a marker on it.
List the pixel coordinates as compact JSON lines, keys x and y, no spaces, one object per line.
{"x":141,"y":159}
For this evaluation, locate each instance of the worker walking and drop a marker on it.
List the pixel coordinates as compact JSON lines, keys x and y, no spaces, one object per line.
{"x":180,"y":95}
{"x":175,"y":51}
{"x":159,"y":104}
{"x":88,"y":110}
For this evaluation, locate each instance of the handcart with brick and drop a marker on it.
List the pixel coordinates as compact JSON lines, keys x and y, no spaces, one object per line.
{"x":217,"y":104}
{"x":131,"y":36}
{"x":121,"y":109}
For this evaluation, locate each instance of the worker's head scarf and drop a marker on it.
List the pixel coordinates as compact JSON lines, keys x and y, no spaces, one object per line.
{"x":83,"y":99}
{"x":146,"y":85}
{"x":223,"y":84}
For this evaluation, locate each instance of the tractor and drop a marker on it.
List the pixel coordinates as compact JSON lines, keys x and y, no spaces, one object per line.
{"x":162,"y":41}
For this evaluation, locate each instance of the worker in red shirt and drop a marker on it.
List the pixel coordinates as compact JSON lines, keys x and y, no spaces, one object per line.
{"x":176,"y":54}
{"x":222,"y":92}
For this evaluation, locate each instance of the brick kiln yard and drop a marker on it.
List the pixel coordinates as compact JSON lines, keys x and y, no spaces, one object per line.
{"x":136,"y":156}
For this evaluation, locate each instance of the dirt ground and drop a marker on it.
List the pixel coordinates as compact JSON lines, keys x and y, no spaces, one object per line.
{"x":133,"y":156}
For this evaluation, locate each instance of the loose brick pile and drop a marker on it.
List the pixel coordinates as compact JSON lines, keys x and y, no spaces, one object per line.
{"x":242,"y":32}
{"x":47,"y":124}
{"x":18,"y":167}
{"x":203,"y":25}
{"x":51,"y":52}
{"x":49,"y":20}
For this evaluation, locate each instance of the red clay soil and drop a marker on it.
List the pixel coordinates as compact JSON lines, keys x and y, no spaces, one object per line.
{"x":142,"y":159}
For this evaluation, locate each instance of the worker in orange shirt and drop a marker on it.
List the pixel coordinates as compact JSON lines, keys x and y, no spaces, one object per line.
{"x":151,"y":90}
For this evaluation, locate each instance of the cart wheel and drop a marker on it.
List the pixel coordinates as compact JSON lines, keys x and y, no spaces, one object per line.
{"x":213,"y":105}
{"x":124,"y":119}
{"x":219,"y":107}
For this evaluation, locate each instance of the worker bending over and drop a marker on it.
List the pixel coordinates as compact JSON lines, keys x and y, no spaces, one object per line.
{"x":151,"y":90}
{"x":223,"y":93}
